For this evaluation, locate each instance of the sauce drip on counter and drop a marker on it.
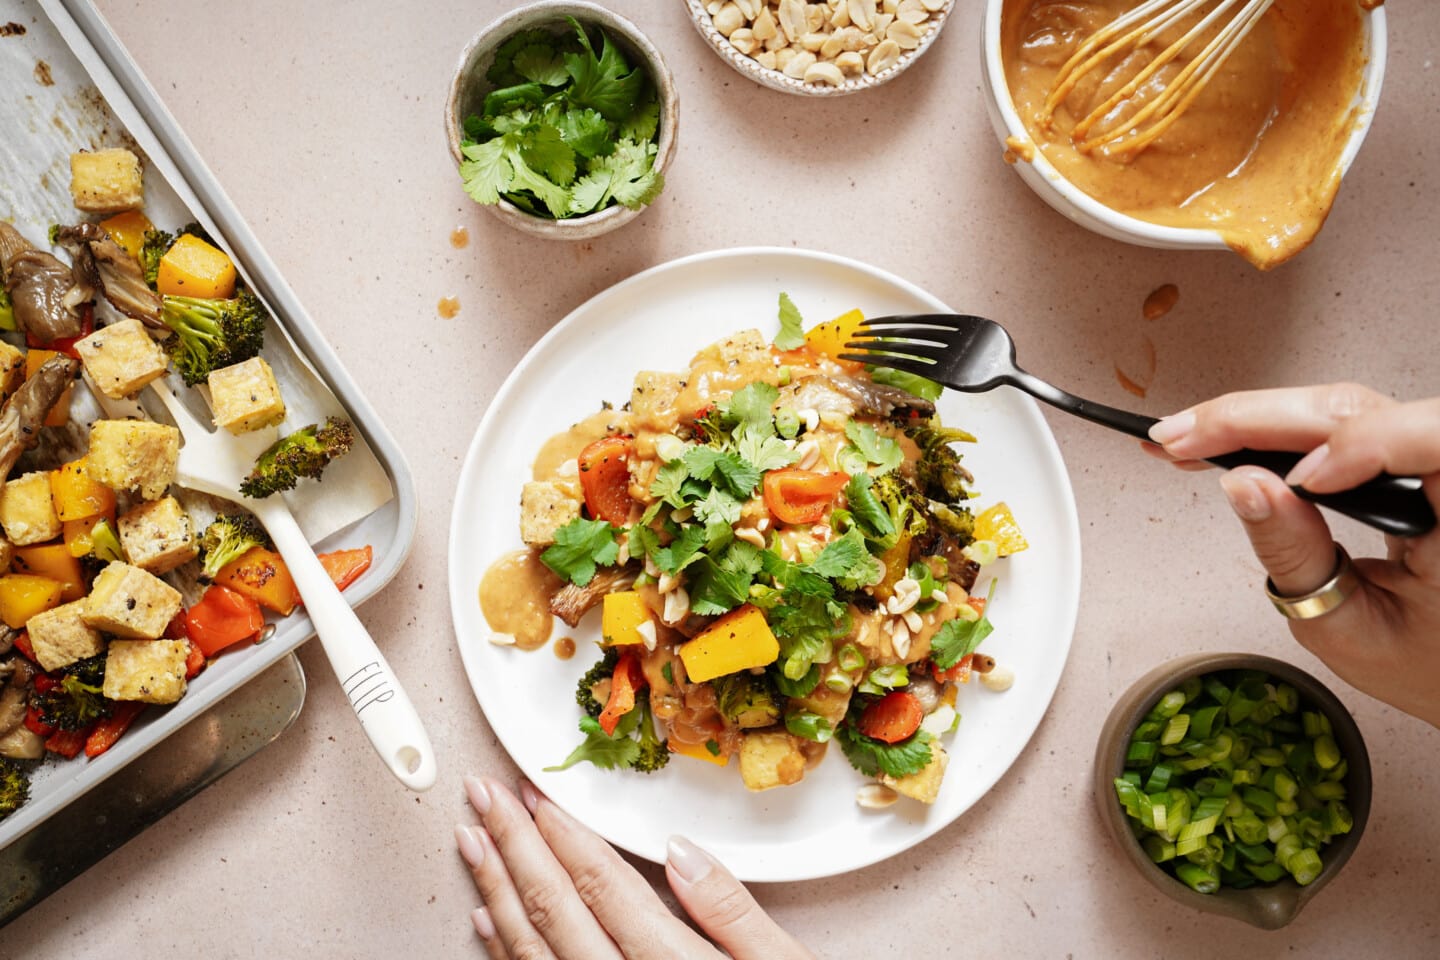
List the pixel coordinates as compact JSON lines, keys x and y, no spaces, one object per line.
{"x":459,"y":238}
{"x":448,"y":307}
{"x":1256,"y":157}
{"x":1161,"y":301}
{"x":514,"y":598}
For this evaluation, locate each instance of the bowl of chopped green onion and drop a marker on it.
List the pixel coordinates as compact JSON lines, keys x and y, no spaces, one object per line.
{"x":1237,"y":784}
{"x":561,"y":119}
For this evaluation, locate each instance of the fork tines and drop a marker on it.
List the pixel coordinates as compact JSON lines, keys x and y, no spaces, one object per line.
{"x":913,"y":344}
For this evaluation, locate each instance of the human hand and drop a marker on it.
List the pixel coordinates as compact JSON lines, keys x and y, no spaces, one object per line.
{"x":1385,"y":639}
{"x":552,"y":888}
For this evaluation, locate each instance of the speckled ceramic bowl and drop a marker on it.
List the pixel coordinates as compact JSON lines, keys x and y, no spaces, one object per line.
{"x":776,"y":80}
{"x":1268,"y":906}
{"x":468,"y":88}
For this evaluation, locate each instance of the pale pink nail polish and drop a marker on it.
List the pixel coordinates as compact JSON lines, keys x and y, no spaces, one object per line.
{"x":479,"y":796}
{"x":692,"y":863}
{"x":1173,"y":428}
{"x":529,"y":796}
{"x":483,"y":924}
{"x":1308,"y":466}
{"x":1246,"y":497}
{"x":470,"y":846}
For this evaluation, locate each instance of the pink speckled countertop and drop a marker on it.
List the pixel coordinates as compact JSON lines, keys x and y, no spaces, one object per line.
{"x":323,"y":121}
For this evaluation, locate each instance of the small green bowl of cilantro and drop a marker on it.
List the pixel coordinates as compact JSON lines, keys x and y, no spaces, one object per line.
{"x":561,"y":119}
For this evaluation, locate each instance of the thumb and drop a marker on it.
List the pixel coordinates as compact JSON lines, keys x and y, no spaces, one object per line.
{"x":723,"y":908}
{"x":1288,"y":534}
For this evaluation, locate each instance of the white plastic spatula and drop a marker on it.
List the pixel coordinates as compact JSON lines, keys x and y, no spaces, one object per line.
{"x":215,"y":463}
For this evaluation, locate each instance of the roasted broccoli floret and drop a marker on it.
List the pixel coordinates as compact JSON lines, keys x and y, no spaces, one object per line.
{"x":654,"y":752}
{"x":304,"y":453}
{"x":938,"y":471}
{"x":228,"y":536}
{"x":603,"y":669}
{"x":151,"y":250}
{"x":958,"y":522}
{"x":76,"y":701}
{"x":14,"y":787}
{"x":746,"y":700}
{"x":7,"y":312}
{"x":210,"y":334}
{"x":905,"y":504}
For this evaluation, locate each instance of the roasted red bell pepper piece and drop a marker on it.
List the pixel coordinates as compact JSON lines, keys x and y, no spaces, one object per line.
{"x":627,"y":680}
{"x":222,"y":618}
{"x":605,"y":478}
{"x":345,"y":566}
{"x":801,"y":496}
{"x":66,"y":345}
{"x":68,"y":743}
{"x":106,"y":731}
{"x":22,"y":643}
{"x":35,"y":725}
{"x":960,"y":673}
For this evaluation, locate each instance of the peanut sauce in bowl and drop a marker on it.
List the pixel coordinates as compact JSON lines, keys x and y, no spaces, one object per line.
{"x":1253,"y":165}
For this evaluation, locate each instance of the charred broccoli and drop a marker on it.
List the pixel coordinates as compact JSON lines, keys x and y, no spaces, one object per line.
{"x":14,"y":787}
{"x":155,"y":244}
{"x":76,"y":701}
{"x":746,"y":700}
{"x":603,"y":669}
{"x":210,"y":334}
{"x":228,"y":536}
{"x":904,"y":503}
{"x":654,"y":752}
{"x":304,"y":453}
{"x":938,"y":470}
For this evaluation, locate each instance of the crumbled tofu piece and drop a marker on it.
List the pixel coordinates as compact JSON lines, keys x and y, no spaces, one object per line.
{"x":925,"y":785}
{"x":158,"y":536}
{"x":60,"y":637}
{"x":151,"y":671}
{"x":245,"y":396}
{"x":12,"y":369}
{"x":652,"y":399}
{"x":121,"y":358}
{"x":133,"y":455}
{"x":27,"y":512}
{"x":129,"y":602}
{"x":106,"y":181}
{"x":544,"y":508}
{"x":770,"y":758}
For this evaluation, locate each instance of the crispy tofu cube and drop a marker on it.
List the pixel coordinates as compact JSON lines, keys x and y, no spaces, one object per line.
{"x":27,"y":512}
{"x":151,"y":671}
{"x":60,"y":636}
{"x":770,"y":758}
{"x":133,"y":455}
{"x":158,"y":536}
{"x":106,"y":181}
{"x":544,"y":508}
{"x":744,"y":347}
{"x":245,"y":396}
{"x":925,"y":785}
{"x":121,"y":358}
{"x":652,"y":399}
{"x":12,"y":369}
{"x":129,"y":602}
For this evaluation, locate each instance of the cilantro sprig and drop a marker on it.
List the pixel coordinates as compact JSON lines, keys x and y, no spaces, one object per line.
{"x":567,"y":131}
{"x":957,"y":639}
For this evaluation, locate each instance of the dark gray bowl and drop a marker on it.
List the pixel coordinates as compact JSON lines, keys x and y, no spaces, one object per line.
{"x":1270,"y":906}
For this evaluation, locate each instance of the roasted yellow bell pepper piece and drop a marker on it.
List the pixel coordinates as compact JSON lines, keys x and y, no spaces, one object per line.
{"x":830,"y":338}
{"x":128,"y":230}
{"x":23,"y":595}
{"x":622,"y":617}
{"x":700,"y":752}
{"x":261,"y":575}
{"x":52,"y":560}
{"x":76,"y":495}
{"x":998,"y":525}
{"x":737,"y":641}
{"x":193,"y":268}
{"x":78,"y":536}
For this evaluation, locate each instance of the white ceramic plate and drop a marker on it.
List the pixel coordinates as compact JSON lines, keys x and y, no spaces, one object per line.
{"x":657,"y":321}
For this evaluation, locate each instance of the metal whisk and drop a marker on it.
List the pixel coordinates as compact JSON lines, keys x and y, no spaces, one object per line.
{"x":1132,"y":31}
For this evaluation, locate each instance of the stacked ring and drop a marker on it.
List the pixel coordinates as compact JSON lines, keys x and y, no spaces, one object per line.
{"x":1324,"y":598}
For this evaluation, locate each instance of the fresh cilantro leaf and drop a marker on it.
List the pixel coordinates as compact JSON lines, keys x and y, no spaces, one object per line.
{"x":881,"y":451}
{"x":586,"y":132}
{"x":792,"y":326}
{"x":607,"y":83}
{"x":957,"y":639}
{"x":633,"y":180}
{"x":541,"y":63}
{"x":601,"y":749}
{"x":909,"y":382}
{"x":644,"y":123}
{"x":847,"y":561}
{"x":580,"y":546}
{"x":751,"y":404}
{"x":722,"y":469}
{"x":719,"y":585}
{"x":867,"y":508}
{"x":873,"y":757}
{"x":546,"y":151}
{"x":502,"y":72}
{"x":764,"y":452}
{"x":712,"y":746}
{"x":507,"y":99}
{"x":718,"y":506}
{"x":669,"y":482}
{"x":485,"y":171}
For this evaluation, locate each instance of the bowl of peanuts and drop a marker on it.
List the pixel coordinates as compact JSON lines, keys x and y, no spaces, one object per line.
{"x":820,"y":49}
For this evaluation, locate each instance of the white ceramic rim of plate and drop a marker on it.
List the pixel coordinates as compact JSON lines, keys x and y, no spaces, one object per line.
{"x":463,"y":582}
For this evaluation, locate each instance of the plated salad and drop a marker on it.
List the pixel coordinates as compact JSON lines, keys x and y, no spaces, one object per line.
{"x":784,"y":551}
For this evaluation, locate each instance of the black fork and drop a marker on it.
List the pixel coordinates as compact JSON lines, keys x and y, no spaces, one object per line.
{"x":972,"y":354}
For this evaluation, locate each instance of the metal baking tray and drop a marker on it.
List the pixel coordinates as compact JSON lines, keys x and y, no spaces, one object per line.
{"x":78,"y":48}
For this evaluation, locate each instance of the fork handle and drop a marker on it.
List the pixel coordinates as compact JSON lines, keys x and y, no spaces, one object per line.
{"x":385,"y":712}
{"x":1395,"y":505}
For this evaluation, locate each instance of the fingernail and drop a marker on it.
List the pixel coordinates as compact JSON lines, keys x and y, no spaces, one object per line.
{"x":692,"y":863}
{"x":1308,"y":466}
{"x":483,"y":924}
{"x":529,"y":796}
{"x":1172,"y":428}
{"x":1246,"y":498}
{"x":479,"y":796}
{"x":470,"y":846}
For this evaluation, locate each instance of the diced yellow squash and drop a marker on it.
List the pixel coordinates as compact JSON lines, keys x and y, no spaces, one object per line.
{"x":737,"y":641}
{"x":128,"y":230}
{"x":193,"y":268}
{"x":23,"y":595}
{"x":621,"y":618}
{"x":78,"y":536}
{"x":77,"y":495}
{"x":261,"y":575}
{"x":52,"y":560}
{"x":59,"y":414}
{"x":998,"y":525}
{"x":700,"y":752}
{"x":830,"y":338}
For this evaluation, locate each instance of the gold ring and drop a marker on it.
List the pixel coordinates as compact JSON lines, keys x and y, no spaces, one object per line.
{"x":1323,"y":598}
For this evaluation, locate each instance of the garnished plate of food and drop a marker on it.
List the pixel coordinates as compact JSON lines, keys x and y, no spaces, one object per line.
{"x":709,"y":579}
